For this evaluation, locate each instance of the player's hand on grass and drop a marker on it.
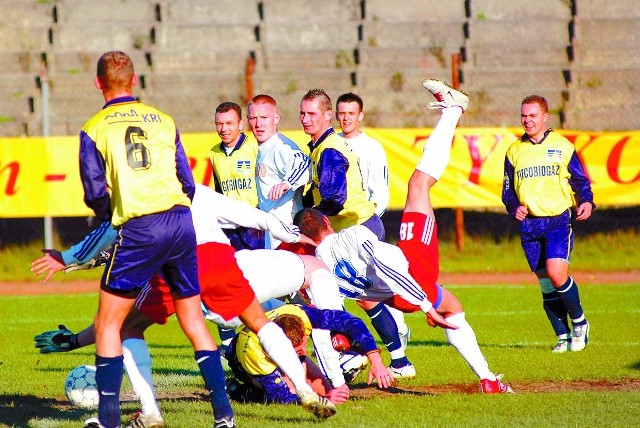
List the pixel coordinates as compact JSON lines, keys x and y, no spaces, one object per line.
{"x":339,"y":395}
{"x":434,"y":319}
{"x":61,"y":340}
{"x":50,"y":263}
{"x":379,"y":371}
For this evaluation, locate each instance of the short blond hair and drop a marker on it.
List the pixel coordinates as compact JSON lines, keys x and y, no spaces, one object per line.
{"x":115,"y":71}
{"x":321,"y":96}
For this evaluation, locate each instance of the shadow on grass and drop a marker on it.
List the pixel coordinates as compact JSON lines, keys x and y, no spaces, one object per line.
{"x":20,"y":410}
{"x":635,"y":366}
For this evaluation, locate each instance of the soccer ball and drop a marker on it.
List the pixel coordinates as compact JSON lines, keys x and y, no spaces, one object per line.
{"x":340,"y":342}
{"x":81,"y":388}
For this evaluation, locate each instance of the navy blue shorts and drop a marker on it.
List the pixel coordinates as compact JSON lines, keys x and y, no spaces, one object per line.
{"x":163,"y":243}
{"x":546,"y":238}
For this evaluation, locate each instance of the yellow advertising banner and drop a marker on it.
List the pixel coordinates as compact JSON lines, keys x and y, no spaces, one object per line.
{"x":40,"y":177}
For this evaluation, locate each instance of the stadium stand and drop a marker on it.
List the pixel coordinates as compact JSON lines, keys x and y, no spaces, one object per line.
{"x":192,"y":54}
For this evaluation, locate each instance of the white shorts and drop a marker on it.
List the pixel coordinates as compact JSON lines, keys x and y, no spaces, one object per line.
{"x":271,"y":273}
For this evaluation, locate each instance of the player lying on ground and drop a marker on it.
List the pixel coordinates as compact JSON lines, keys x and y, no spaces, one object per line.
{"x":260,"y":380}
{"x":227,"y":291}
{"x":405,"y":276}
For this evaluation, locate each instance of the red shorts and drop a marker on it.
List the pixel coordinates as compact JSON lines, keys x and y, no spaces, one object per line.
{"x":155,"y":300}
{"x":298,"y":248}
{"x":223,"y":288}
{"x":418,"y":240}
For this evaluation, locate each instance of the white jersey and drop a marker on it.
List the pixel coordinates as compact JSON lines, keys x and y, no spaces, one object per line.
{"x":280,"y":160}
{"x":373,"y":165}
{"x":212,"y":211}
{"x":368,"y":269}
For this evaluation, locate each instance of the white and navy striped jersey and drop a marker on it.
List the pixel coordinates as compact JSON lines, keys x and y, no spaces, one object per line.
{"x":211,"y":212}
{"x":369,"y":269}
{"x":280,"y":160}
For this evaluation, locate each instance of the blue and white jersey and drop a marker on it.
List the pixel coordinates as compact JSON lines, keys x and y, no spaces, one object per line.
{"x":211,"y":212}
{"x":280,"y":160}
{"x":368,"y":269}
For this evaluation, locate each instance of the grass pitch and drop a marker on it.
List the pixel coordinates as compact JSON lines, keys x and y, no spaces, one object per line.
{"x":597,"y":387}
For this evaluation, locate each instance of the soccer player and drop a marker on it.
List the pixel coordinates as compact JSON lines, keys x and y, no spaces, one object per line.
{"x":372,"y":160}
{"x":543,"y":180}
{"x":282,"y":168}
{"x":135,"y":174}
{"x":228,"y":281}
{"x":337,"y":190}
{"x":234,"y":166}
{"x":405,"y":276}
{"x":262,"y":381}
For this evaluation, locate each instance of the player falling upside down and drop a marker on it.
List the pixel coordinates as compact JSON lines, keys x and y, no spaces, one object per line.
{"x":226,"y":279}
{"x":368,"y":269}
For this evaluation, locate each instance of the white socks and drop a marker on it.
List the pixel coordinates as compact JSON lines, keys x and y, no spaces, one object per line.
{"x":437,"y":150}
{"x":137,"y":362}
{"x":273,"y":341}
{"x":465,"y":342}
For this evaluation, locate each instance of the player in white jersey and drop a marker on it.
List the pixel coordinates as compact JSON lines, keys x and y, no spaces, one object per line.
{"x":228,"y":297}
{"x":405,"y":276}
{"x":211,"y":212}
{"x":372,"y":160}
{"x":282,"y":169}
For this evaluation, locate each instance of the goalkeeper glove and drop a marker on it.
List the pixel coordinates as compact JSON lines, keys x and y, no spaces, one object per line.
{"x":61,"y":340}
{"x":95,"y":262}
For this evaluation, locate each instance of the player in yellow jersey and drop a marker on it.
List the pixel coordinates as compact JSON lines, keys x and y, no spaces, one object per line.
{"x":337,"y":186}
{"x":259,"y":378}
{"x":337,"y":191}
{"x":135,"y":174}
{"x":234,"y":169}
{"x":543,"y":180}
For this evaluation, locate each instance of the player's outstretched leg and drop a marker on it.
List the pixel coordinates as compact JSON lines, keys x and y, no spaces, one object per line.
{"x":446,"y":95}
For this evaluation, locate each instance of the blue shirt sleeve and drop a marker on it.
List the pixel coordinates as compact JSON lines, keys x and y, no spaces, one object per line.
{"x":579,"y":181}
{"x":276,"y":388}
{"x":332,"y":176}
{"x":98,"y":240}
{"x":509,"y":197}
{"x":342,"y":322}
{"x":94,"y":178}
{"x":184,"y":170}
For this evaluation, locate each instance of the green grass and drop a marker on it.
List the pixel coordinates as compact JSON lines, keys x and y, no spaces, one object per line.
{"x":508,"y":320}
{"x":16,"y":262}
{"x":622,"y":249}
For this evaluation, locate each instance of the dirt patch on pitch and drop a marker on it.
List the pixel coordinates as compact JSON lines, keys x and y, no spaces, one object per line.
{"x":73,"y":287}
{"x":364,"y":391}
